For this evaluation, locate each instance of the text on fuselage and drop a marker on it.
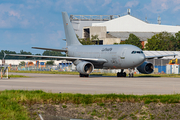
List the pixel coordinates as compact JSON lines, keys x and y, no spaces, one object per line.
{"x":106,"y":49}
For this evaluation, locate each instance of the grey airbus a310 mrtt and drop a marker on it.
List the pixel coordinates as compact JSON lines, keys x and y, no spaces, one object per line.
{"x":89,"y":57}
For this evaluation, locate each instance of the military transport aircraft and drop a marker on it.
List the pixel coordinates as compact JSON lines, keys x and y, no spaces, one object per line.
{"x":88,"y":57}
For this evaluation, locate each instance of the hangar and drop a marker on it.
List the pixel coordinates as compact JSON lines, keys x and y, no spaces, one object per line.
{"x":114,"y":29}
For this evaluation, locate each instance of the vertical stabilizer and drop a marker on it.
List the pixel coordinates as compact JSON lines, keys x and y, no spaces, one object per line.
{"x":71,"y":38}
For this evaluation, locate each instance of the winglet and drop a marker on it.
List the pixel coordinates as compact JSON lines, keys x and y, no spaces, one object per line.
{"x":4,"y":55}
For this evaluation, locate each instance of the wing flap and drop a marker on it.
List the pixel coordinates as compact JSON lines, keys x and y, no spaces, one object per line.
{"x":59,"y":50}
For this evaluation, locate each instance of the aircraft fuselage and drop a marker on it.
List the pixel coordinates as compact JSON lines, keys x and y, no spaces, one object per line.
{"x":117,"y":56}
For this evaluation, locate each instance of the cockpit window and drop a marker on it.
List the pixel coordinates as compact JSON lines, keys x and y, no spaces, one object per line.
{"x":138,"y":52}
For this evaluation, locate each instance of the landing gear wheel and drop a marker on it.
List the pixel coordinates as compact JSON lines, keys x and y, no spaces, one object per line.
{"x":124,"y":74}
{"x":131,"y":75}
{"x":83,"y":75}
{"x":118,"y":74}
{"x":121,"y":74}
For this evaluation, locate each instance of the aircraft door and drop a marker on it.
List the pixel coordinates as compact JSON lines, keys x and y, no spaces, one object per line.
{"x":122,"y":57}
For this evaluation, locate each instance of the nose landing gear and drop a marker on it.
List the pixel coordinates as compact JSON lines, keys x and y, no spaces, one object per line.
{"x":131,"y":73}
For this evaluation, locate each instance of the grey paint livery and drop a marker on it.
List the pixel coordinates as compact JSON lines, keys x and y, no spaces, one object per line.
{"x":117,"y":56}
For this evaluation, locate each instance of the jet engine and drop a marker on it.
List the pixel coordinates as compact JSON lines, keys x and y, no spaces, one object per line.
{"x":84,"y":67}
{"x":146,"y":68}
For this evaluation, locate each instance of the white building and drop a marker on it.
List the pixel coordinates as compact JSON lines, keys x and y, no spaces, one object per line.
{"x":115,"y":29}
{"x":129,"y":23}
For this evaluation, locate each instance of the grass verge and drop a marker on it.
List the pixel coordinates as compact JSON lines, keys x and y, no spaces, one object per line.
{"x":99,"y":74}
{"x":16,"y":76}
{"x":12,"y":101}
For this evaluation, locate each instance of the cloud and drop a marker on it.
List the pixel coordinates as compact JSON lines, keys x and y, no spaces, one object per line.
{"x":9,"y":17}
{"x":67,"y":5}
{"x":115,"y":8}
{"x":157,"y":6}
{"x":131,"y":4}
{"x":14,"y":13}
{"x":106,"y":2}
{"x":176,"y":1}
{"x":25,"y":23}
{"x":54,"y":39}
{"x":177,"y":8}
{"x":176,"y":5}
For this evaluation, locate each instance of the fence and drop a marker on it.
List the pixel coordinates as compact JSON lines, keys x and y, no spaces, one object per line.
{"x":70,"y":67}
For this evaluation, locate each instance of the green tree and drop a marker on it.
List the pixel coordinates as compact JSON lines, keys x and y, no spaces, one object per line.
{"x":133,"y":40}
{"x":50,"y":62}
{"x":161,"y":41}
{"x":172,"y":44}
{"x":52,"y":53}
{"x":123,"y":42}
{"x":177,"y":37}
{"x":22,"y":63}
{"x":116,"y":43}
{"x":25,"y":53}
{"x":89,"y":41}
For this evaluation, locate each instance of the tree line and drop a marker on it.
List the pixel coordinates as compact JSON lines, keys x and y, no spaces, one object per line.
{"x":162,"y":41}
{"x":45,"y":53}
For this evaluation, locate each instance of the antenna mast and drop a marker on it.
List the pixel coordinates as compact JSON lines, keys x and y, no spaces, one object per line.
{"x":159,"y":20}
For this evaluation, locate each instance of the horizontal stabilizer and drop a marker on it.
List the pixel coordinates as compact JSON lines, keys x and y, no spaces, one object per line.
{"x":59,"y":50}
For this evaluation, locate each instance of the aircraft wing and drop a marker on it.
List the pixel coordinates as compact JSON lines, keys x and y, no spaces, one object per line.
{"x":62,"y":58}
{"x":160,"y":56}
{"x":59,"y":50}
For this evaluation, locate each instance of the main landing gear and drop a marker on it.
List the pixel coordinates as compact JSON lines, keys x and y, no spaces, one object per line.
{"x":131,"y":75}
{"x":121,"y":74}
{"x":83,"y":75}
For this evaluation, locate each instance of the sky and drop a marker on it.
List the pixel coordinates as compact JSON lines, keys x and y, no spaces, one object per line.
{"x":38,"y":23}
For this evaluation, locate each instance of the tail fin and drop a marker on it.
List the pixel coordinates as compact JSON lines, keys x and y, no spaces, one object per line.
{"x":71,"y":38}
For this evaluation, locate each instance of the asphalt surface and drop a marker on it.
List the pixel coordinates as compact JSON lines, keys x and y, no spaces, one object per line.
{"x":92,"y":85}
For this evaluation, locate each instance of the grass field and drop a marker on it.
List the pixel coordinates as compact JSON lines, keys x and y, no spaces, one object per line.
{"x":99,"y":74}
{"x":20,"y":105}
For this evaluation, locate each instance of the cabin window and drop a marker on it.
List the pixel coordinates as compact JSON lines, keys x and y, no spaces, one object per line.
{"x":138,"y":52}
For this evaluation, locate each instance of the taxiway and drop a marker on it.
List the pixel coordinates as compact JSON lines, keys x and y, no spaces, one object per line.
{"x":92,"y":85}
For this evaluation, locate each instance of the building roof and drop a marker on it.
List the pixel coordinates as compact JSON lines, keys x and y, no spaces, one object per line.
{"x":143,"y":36}
{"x":129,"y":23}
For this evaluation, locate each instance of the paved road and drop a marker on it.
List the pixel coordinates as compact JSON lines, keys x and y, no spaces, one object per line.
{"x":93,"y":84}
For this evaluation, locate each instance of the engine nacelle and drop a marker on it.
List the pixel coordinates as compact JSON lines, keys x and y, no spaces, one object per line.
{"x":146,"y":68}
{"x":84,"y":67}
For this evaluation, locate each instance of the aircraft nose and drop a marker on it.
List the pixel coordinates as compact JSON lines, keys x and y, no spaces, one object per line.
{"x":141,"y":58}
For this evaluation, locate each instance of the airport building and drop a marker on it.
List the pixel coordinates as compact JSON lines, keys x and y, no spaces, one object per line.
{"x":114,"y":28}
